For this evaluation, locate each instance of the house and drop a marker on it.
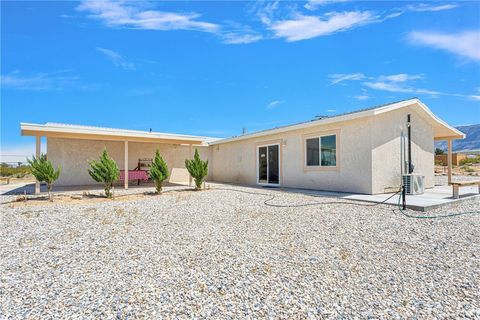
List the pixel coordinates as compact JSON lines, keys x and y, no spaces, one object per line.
{"x":360,"y":152}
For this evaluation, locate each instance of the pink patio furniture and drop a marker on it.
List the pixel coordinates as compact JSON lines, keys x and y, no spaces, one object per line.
{"x":134,"y":175}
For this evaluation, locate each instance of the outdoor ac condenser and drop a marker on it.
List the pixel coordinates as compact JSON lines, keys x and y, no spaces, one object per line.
{"x":414,"y":183}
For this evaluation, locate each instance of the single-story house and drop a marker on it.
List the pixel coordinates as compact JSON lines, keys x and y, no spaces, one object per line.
{"x":361,"y":152}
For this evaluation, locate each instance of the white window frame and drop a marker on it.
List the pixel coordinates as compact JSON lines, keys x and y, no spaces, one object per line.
{"x":279,"y":164}
{"x":319,"y":166}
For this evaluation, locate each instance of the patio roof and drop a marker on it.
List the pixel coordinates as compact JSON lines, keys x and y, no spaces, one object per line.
{"x":60,"y":130}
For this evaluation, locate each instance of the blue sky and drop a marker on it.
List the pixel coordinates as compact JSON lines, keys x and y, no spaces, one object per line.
{"x":212,"y":68}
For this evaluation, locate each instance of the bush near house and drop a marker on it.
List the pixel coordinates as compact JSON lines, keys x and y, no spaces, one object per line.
{"x":106,"y":171}
{"x":158,"y":171}
{"x":43,"y":171}
{"x":198,"y":169}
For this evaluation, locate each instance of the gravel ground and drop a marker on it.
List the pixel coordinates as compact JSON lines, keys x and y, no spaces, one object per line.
{"x":225,"y":254}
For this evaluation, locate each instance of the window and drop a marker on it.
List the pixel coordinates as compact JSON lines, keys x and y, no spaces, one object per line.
{"x":321,"y":151}
{"x":313,"y":158}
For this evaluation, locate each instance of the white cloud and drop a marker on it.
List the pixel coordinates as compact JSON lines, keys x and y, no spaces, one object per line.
{"x":314,"y":4}
{"x":422,"y":7}
{"x":117,"y":60}
{"x":362,"y":97}
{"x":236,"y":33}
{"x":401,"y":77}
{"x":398,"y":83}
{"x":39,"y":82}
{"x":303,"y":27}
{"x":133,"y":15}
{"x":331,"y":110}
{"x":274,"y":104}
{"x":465,"y":44}
{"x":238,"y":38}
{"x":474,"y":97}
{"x":340,"y":77}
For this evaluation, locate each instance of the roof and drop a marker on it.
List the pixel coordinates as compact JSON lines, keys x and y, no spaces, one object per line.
{"x":441,"y":129}
{"x":72,"y":131}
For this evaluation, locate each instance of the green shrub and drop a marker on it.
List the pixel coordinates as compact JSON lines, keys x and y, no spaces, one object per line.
{"x":468,"y":169}
{"x":20,"y":171}
{"x":106,"y":171}
{"x":43,"y":171}
{"x":439,"y":151}
{"x":470,"y":160}
{"x":198,"y":169}
{"x":158,"y":171}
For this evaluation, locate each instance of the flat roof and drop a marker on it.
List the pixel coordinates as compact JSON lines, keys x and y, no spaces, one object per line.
{"x":62,"y":130}
{"x":442,"y":130}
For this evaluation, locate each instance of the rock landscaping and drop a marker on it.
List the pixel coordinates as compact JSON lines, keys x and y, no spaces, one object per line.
{"x":225,"y":254}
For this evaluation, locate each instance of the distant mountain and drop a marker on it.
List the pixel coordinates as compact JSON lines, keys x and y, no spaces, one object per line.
{"x":470,"y":143}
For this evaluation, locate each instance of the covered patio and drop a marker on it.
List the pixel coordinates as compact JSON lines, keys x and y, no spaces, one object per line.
{"x":74,"y":146}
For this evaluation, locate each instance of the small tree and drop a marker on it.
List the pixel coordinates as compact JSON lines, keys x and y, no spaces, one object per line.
{"x":158,"y":171}
{"x":43,"y":171}
{"x":198,"y":169}
{"x":105,"y":170}
{"x":439,"y":151}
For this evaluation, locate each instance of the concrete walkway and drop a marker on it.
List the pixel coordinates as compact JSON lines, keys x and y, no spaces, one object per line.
{"x":431,"y":199}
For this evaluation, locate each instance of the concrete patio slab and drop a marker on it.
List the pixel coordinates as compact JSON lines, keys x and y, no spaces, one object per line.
{"x":431,"y":199}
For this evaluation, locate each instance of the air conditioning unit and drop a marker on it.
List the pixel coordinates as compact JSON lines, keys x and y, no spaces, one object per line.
{"x":414,"y":183}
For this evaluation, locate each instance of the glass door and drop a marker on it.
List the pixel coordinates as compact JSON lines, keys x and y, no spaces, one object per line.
{"x":262,"y":165}
{"x":269,"y":164}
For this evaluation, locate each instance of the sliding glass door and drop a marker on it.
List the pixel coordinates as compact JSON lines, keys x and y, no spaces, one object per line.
{"x":269,"y":164}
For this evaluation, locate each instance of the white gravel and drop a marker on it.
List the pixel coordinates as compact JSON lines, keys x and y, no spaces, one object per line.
{"x":225,"y":254}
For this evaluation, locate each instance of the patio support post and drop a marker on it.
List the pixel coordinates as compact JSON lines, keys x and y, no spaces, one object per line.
{"x":190,"y":157}
{"x":125,"y":166}
{"x":449,"y":160}
{"x":37,"y":155}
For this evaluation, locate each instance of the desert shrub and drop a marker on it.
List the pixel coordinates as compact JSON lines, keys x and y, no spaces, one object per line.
{"x":198,"y":169}
{"x":470,"y":160}
{"x":468,"y":169}
{"x":158,"y":171}
{"x":105,"y":170}
{"x":19,"y":171}
{"x":43,"y":171}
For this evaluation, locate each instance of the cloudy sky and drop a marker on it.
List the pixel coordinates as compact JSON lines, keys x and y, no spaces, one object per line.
{"x":213,"y":68}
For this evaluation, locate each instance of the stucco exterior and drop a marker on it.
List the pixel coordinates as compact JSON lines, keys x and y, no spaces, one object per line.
{"x":73,"y":156}
{"x":368,"y":155}
{"x":368,"y":144}
{"x":236,"y":162}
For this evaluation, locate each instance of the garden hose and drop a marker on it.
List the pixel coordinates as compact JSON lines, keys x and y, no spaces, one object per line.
{"x":351,"y":202}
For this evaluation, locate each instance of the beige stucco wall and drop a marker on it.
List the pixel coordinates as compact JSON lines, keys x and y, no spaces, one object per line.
{"x":73,"y":155}
{"x":386,"y":132}
{"x":368,"y":155}
{"x":236,"y":162}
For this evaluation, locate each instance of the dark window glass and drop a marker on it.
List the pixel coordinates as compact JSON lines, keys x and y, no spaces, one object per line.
{"x":262,"y":164}
{"x":273,"y":164}
{"x":329,"y":150}
{"x":313,"y":152}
